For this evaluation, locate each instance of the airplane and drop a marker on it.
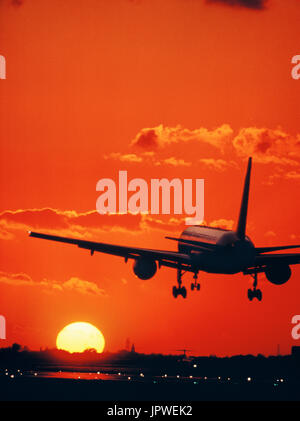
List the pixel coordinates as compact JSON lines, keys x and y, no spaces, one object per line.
{"x":206,"y":249}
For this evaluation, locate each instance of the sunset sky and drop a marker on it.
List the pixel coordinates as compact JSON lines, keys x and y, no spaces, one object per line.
{"x":160,"y":88}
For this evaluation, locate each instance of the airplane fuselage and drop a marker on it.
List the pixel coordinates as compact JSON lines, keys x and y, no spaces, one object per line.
{"x":232,"y":255}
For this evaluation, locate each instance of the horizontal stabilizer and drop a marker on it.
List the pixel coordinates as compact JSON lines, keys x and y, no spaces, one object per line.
{"x":273,"y":259}
{"x":260,"y":250}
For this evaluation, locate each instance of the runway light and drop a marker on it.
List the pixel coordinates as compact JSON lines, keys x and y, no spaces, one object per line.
{"x":12,"y":376}
{"x":166,"y":375}
{"x":98,"y":372}
{"x":191,"y":377}
{"x":281,"y":380}
{"x":219,"y":378}
{"x":228,"y":378}
{"x":129,"y":378}
{"x":142,"y":375}
{"x":35,"y":374}
{"x":195,"y":365}
{"x":205,"y":378}
{"x":119,"y":374}
{"x":177,"y":376}
{"x":249,"y":379}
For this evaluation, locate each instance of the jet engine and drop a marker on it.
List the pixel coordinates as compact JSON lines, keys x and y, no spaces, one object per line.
{"x":144,"y":268}
{"x":278,"y":274}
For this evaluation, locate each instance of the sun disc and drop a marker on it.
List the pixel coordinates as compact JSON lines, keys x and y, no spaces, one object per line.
{"x":79,"y":336}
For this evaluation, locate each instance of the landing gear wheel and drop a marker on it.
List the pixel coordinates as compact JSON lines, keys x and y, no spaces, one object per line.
{"x":195,"y":284}
{"x":183,"y":292}
{"x":258,"y":294}
{"x":179,"y":290}
{"x":254,"y":293}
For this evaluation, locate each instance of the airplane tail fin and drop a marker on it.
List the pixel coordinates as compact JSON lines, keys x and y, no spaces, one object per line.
{"x":241,"y":227}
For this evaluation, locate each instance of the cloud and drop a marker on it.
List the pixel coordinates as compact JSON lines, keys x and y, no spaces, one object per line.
{"x":84,"y":225}
{"x":16,"y":278}
{"x":222,"y":223}
{"x":267,"y":145}
{"x":150,"y":222}
{"x":177,"y":162}
{"x":217,"y":164}
{"x":293,"y":175}
{"x":146,"y":138}
{"x":162,"y":136}
{"x":130,"y":157}
{"x":73,"y":284}
{"x":82,"y":286}
{"x":17,"y":3}
{"x":250,"y":4}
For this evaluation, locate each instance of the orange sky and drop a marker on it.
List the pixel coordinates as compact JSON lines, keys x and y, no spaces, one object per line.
{"x":96,"y":87}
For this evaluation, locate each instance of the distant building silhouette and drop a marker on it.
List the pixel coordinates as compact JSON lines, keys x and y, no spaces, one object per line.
{"x":132,"y":349}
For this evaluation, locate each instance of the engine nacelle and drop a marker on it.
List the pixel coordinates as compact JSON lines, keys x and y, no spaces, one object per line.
{"x":144,"y":268}
{"x":278,"y":274}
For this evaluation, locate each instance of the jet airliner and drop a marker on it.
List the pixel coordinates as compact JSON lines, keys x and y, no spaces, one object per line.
{"x":204,"y":248}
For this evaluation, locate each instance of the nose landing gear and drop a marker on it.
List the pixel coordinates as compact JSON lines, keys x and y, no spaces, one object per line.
{"x":195,"y":284}
{"x":254,"y":293}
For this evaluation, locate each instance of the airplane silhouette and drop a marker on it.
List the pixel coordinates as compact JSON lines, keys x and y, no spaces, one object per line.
{"x":203,"y":248}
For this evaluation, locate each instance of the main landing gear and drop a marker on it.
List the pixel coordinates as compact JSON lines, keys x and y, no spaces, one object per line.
{"x":254,"y":293}
{"x":181,"y":290}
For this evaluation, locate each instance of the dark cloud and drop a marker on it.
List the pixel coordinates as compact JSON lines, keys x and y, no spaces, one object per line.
{"x":147,"y":139}
{"x":17,"y":3}
{"x":250,"y":4}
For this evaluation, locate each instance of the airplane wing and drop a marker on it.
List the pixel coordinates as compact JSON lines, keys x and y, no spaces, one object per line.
{"x":288,"y":258}
{"x":163,"y":257}
{"x":276,"y":248}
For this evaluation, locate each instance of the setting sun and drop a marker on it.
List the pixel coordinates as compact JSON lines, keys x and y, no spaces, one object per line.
{"x":79,"y":336}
